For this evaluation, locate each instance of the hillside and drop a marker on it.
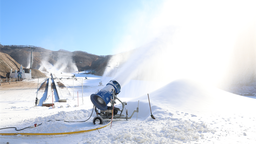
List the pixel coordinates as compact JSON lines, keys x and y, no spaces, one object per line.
{"x":63,"y":60}
{"x":7,"y":63}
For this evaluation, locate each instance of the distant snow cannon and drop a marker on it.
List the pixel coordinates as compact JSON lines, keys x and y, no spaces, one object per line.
{"x":105,"y":96}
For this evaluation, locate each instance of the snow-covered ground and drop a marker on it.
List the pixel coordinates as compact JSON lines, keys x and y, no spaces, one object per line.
{"x":185,"y":112}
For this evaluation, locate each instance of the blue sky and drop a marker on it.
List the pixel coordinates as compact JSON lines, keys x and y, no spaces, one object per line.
{"x":95,"y":27}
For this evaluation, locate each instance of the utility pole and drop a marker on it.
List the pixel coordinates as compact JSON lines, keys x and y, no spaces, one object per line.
{"x":73,"y":88}
{"x":82,"y":91}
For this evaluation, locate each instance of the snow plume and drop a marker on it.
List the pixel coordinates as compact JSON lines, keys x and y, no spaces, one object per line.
{"x":205,"y":41}
{"x":64,"y":63}
{"x":243,"y":66}
{"x":28,"y":60}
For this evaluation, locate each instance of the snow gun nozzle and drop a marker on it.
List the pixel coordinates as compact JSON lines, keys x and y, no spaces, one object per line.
{"x":104,"y":96}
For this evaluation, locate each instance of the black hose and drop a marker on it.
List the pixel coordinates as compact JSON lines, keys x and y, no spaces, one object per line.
{"x":74,"y":121}
{"x":84,"y":120}
{"x":19,"y":129}
{"x":48,"y":121}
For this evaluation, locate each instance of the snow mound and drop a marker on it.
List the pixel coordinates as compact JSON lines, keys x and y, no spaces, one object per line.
{"x":191,"y":97}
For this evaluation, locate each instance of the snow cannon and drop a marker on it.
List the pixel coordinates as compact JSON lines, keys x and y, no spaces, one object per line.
{"x":107,"y":95}
{"x":103,"y":97}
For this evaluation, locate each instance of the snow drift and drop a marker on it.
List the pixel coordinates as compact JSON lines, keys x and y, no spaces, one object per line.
{"x":195,"y":98}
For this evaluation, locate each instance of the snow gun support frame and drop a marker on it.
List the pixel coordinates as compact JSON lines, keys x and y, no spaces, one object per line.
{"x":107,"y":113}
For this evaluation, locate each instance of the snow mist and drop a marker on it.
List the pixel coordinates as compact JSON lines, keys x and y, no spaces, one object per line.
{"x":64,"y":63}
{"x":209,"y":42}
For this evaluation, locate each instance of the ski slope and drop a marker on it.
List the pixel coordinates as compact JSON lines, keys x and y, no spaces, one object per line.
{"x":185,"y":112}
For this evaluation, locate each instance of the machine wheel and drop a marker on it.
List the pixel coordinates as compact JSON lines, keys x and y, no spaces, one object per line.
{"x":97,"y":120}
{"x":115,"y":111}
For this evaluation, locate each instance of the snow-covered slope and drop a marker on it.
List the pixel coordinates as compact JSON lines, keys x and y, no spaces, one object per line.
{"x":192,"y":97}
{"x":185,"y":112}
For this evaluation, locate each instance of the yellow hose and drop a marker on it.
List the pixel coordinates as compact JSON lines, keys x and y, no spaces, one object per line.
{"x":63,"y":133}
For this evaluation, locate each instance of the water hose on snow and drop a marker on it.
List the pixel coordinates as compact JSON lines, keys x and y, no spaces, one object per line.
{"x":36,"y":125}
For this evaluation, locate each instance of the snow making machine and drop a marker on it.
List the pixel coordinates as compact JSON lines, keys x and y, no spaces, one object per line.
{"x":107,"y":95}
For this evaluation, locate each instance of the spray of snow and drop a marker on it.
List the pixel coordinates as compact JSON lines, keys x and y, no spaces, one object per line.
{"x":209,"y":42}
{"x":28,"y":61}
{"x":64,"y":63}
{"x":242,"y":68}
